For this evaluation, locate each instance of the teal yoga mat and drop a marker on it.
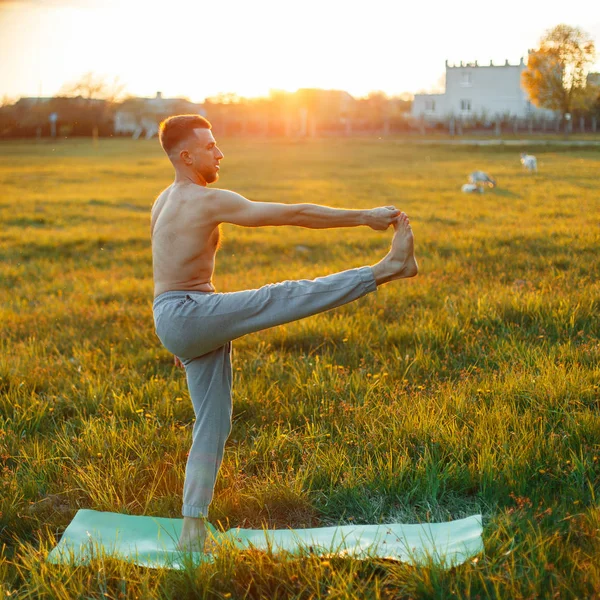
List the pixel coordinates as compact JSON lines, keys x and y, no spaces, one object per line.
{"x":151,"y":541}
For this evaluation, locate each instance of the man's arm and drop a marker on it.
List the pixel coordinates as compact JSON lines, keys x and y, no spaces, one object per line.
{"x":229,"y":207}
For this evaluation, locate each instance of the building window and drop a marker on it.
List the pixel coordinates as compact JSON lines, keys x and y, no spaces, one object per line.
{"x":465,"y":105}
{"x":430,"y":105}
{"x":466,"y":79}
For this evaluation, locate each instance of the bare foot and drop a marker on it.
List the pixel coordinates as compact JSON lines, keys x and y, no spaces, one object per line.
{"x":400,"y":261}
{"x":193,"y":535}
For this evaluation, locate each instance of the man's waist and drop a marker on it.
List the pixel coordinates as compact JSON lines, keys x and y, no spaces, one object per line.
{"x":171,"y":295}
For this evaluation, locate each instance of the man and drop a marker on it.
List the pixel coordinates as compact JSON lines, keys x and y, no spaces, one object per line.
{"x":197,"y":324}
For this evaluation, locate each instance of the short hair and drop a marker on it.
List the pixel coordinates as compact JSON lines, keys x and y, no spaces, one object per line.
{"x":174,"y":129}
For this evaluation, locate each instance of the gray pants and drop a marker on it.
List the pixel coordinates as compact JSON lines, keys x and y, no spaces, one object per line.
{"x":198,"y":327}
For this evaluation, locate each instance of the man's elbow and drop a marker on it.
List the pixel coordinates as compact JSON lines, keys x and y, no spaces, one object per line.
{"x":299,"y":215}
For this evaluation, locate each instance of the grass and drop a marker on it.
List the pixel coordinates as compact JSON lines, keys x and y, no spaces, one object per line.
{"x":474,"y":387}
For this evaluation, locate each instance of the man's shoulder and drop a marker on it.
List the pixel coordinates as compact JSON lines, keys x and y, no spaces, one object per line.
{"x":223,"y":194}
{"x":191,"y":196}
{"x":223,"y":201}
{"x":207,"y":204}
{"x":199,"y":192}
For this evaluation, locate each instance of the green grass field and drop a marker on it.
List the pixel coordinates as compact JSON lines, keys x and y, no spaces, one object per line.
{"x":474,"y":387}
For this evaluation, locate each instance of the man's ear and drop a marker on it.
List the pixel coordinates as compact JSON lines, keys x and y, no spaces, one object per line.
{"x":185,"y":157}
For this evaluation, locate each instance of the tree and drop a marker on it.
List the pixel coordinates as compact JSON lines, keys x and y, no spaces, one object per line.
{"x":99,"y":95}
{"x":556,"y":73}
{"x":91,"y":87}
{"x":375,"y":110}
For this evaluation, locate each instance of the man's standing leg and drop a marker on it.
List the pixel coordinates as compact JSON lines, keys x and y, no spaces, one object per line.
{"x":209,"y":379}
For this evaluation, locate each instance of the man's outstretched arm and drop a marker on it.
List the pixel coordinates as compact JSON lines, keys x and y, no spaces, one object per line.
{"x":229,"y":207}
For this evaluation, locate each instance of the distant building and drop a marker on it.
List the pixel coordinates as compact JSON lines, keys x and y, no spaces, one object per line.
{"x":322,"y":109}
{"x":63,"y":105}
{"x":337,"y":102}
{"x":479,"y":91}
{"x":137,"y":116}
{"x":28,"y":102}
{"x":69,"y":115}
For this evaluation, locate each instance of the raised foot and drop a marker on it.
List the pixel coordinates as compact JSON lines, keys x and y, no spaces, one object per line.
{"x":400,"y":262}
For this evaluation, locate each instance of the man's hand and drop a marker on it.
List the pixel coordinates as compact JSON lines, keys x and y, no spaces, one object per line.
{"x":178,"y":362}
{"x":381,"y":218}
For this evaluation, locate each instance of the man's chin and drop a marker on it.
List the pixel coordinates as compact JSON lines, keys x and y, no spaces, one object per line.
{"x":212,"y":178}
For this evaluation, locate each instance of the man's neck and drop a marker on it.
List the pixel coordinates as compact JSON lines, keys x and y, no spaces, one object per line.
{"x":185,"y":176}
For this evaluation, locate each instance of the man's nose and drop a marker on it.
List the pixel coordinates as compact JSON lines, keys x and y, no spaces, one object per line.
{"x":219,"y":154}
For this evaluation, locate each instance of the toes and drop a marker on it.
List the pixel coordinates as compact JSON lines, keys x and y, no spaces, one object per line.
{"x":402,"y":221}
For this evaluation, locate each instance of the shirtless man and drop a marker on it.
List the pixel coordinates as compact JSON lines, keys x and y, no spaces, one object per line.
{"x":197,"y":324}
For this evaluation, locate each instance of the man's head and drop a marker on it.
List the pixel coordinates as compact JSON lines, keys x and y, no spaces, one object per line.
{"x":191,"y":147}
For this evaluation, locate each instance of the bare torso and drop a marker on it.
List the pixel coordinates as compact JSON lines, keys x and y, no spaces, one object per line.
{"x":184,"y":244}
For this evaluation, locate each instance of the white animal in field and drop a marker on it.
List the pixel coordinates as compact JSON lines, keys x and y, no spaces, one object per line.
{"x":481,"y":178}
{"x":472,"y":187}
{"x":529,"y":162}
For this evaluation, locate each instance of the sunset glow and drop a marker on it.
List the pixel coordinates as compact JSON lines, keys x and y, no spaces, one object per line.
{"x":198,"y":49}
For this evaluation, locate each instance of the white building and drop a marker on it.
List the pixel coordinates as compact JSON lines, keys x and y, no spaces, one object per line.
{"x":478,"y":91}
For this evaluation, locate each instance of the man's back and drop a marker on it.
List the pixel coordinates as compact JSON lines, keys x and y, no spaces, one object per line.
{"x":184,"y":239}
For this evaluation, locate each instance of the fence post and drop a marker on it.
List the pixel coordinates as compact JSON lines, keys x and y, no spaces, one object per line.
{"x":498,"y":128}
{"x":582,"y":124}
{"x":594,"y":123}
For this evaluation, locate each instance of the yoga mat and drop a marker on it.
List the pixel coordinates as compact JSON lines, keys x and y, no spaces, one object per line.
{"x":151,"y":541}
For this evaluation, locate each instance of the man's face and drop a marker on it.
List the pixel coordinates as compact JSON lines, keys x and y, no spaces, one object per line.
{"x":204,"y":154}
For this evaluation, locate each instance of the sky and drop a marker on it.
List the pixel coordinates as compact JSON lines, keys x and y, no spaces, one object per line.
{"x":197,"y":48}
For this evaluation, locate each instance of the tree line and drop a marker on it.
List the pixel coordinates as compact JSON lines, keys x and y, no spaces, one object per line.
{"x":94,"y":106}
